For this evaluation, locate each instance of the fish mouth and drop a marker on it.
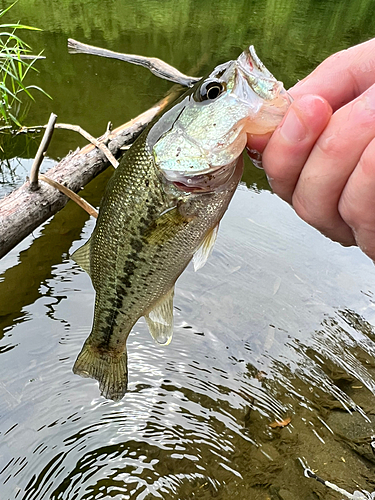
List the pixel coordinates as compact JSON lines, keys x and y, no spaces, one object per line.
{"x":258,"y":77}
{"x":256,"y":85}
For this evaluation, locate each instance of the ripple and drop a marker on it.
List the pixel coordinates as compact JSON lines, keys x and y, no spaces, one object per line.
{"x":253,"y":344}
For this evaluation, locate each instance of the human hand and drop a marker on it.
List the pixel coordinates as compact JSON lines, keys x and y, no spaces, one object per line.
{"x":324,"y":163}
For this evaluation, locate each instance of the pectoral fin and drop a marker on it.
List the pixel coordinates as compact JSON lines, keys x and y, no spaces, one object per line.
{"x":204,"y":251}
{"x":160,"y":319}
{"x":166,"y":227}
{"x":82,"y":256}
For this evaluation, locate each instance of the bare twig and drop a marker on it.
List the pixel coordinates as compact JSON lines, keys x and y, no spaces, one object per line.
{"x":155,"y":65}
{"x":105,"y":137}
{"x":72,"y":195}
{"x":99,"y":144}
{"x":6,"y":127}
{"x":41,"y":150}
{"x":23,"y":57}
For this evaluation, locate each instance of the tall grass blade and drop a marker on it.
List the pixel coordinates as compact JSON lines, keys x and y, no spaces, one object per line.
{"x":15,"y":64}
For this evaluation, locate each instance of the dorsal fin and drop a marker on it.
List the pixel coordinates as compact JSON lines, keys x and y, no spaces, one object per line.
{"x":82,"y":256}
{"x":204,"y":251}
{"x":160,"y":319}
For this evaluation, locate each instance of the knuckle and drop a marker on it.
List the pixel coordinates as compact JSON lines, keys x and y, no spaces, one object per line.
{"x":357,"y":203}
{"x":274,"y":166}
{"x":329,"y":146}
{"x":323,"y":218}
{"x":277,"y":177}
{"x":329,"y":223}
{"x":304,"y":210}
{"x":367,"y":162}
{"x":350,"y":213}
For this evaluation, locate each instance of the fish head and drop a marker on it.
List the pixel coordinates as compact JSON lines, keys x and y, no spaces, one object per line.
{"x":197,"y":142}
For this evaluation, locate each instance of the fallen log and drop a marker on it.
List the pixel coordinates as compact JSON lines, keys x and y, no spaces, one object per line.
{"x":25,"y":209}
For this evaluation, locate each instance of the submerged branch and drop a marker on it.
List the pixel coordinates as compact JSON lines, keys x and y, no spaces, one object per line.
{"x":155,"y":65}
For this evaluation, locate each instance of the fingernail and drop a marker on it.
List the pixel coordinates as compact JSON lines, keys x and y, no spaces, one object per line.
{"x":293,"y":130}
{"x":255,"y":157}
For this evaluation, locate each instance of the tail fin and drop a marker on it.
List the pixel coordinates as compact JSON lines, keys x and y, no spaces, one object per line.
{"x":111,"y":372}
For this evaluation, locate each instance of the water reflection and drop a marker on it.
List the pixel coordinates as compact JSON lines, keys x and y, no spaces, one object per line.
{"x":43,"y":250}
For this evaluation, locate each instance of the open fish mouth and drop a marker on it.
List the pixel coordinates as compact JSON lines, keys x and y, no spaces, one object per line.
{"x":258,"y":77}
{"x":256,"y":86}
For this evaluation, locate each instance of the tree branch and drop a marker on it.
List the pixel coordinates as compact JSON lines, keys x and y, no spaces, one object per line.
{"x":99,"y":144}
{"x":23,"y":57}
{"x":155,"y":65}
{"x":72,"y":195}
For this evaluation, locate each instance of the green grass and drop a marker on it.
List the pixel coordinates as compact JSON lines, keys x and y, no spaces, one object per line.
{"x":15,"y":64}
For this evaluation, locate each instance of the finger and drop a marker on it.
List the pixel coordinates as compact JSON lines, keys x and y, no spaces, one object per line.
{"x":341,"y":77}
{"x":331,"y":163}
{"x":291,"y":143}
{"x":357,"y":202}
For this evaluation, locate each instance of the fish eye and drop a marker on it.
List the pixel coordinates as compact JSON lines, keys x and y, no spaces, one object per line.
{"x":210,"y":90}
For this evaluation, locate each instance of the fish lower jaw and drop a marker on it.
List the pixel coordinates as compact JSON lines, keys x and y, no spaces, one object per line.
{"x":215,"y":179}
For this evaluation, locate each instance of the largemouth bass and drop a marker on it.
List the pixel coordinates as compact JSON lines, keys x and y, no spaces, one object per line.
{"x":163,"y":205}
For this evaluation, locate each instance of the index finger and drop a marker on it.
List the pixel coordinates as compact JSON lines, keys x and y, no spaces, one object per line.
{"x":341,"y":77}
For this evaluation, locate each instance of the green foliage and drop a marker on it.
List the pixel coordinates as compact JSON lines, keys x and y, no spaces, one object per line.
{"x":15,"y":63}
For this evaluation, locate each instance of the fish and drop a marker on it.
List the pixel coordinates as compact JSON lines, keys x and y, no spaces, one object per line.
{"x":162,"y":208}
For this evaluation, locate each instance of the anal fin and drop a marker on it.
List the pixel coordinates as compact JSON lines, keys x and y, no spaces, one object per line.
{"x":204,"y":251}
{"x":160,"y":319}
{"x":110,"y":371}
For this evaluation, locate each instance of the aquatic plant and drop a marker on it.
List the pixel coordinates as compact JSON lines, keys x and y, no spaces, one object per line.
{"x":15,"y":64}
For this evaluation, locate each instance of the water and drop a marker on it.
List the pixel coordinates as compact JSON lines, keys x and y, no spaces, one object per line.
{"x":277,"y":325}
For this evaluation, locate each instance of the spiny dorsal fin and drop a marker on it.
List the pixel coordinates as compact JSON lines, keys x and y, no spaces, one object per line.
{"x":160,"y":319}
{"x":204,"y":251}
{"x":110,"y":371}
{"x":82,"y":256}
